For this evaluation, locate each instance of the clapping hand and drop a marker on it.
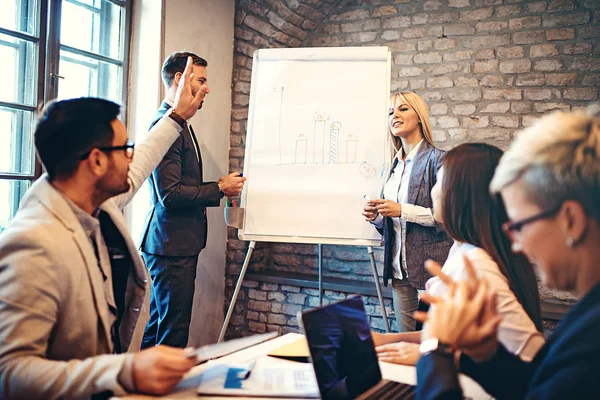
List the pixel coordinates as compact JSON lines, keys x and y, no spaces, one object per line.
{"x":466,"y":319}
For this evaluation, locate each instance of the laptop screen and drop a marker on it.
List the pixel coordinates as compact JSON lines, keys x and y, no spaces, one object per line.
{"x":341,"y":348}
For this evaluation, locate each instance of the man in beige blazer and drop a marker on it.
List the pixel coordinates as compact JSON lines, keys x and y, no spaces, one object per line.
{"x":71,"y":281}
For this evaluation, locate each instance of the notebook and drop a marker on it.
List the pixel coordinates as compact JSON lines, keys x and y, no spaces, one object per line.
{"x":212,"y":351}
{"x":343,"y":354}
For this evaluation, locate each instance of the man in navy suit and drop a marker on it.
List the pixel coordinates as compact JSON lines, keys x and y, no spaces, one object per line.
{"x":549,"y":181}
{"x":176,"y":226}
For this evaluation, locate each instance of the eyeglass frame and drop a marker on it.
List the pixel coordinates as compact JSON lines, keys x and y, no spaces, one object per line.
{"x":128,"y":145}
{"x":510,"y":227}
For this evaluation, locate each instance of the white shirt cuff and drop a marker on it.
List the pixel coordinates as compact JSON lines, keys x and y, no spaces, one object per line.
{"x":417,"y":214}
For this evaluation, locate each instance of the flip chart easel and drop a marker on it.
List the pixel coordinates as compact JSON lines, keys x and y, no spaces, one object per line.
{"x":316,"y":143}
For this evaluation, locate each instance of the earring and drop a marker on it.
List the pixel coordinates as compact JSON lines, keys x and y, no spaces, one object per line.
{"x":570,"y":242}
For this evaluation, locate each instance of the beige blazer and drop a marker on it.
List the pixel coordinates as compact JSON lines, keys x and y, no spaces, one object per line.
{"x":54,"y":318}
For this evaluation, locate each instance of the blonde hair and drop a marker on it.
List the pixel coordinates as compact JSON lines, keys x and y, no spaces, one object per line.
{"x":420,"y":107}
{"x":557,"y":158}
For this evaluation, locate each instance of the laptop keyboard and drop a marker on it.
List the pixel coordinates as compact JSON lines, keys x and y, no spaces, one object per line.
{"x":390,"y":390}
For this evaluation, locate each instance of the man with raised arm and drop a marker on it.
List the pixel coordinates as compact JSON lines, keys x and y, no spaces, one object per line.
{"x":71,"y":281}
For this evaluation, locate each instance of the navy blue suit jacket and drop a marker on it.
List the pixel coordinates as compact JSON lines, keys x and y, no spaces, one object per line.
{"x":565,"y":368}
{"x":176,"y":225}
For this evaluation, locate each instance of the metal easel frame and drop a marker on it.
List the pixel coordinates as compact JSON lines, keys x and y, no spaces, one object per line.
{"x":240,"y":280}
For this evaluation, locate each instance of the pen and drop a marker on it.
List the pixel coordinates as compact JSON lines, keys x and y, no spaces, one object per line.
{"x":367,"y":197}
{"x":246,"y":373}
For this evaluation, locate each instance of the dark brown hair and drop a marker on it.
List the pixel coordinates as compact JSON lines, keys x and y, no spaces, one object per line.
{"x":66,"y":129}
{"x":472,"y":215}
{"x":176,"y":63}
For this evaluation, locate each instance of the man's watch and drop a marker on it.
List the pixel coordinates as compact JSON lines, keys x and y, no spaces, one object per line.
{"x":177,"y":118}
{"x":434,"y":345}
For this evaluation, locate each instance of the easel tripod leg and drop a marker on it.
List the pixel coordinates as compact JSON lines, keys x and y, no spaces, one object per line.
{"x":378,"y":287}
{"x":236,"y":292}
{"x":320,"y":274}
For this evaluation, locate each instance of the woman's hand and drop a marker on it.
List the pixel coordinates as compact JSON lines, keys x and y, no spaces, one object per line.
{"x":369,"y":211}
{"x":385,"y":338}
{"x":404,"y":353}
{"x":378,"y":338}
{"x":388,"y":208}
{"x":466,"y":318}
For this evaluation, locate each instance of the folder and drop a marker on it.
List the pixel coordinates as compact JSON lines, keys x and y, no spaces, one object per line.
{"x":295,"y":351}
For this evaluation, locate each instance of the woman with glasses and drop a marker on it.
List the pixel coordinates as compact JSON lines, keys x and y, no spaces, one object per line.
{"x":474,"y":219}
{"x":404,"y":214}
{"x":549,"y":181}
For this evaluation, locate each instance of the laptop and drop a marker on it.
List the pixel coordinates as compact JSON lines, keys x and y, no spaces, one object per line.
{"x":343,"y":354}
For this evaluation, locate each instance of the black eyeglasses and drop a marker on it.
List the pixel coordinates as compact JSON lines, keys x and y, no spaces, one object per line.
{"x":511,"y":228}
{"x":129,"y":148}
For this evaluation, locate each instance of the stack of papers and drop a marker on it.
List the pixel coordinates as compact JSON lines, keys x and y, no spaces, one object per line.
{"x":268,"y":377}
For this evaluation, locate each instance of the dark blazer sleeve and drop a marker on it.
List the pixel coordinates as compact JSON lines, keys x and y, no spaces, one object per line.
{"x":504,"y":376}
{"x":437,"y":378}
{"x":575,"y":379}
{"x":172,"y":192}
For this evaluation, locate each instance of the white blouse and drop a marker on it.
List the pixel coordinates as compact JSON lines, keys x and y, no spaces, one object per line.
{"x":516,"y":332}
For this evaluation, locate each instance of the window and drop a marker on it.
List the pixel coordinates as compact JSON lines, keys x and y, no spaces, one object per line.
{"x":53,"y":49}
{"x":91,"y":59}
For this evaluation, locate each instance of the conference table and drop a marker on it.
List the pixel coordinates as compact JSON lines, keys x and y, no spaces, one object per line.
{"x":186,"y":389}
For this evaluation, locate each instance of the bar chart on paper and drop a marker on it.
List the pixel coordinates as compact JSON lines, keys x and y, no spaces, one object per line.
{"x":316,"y":143}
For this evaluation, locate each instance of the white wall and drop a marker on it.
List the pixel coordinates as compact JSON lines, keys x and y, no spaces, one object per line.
{"x":144,"y":96}
{"x":204,"y":27}
{"x":145,"y":88}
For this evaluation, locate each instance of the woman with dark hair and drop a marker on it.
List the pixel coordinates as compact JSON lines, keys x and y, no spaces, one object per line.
{"x":473,"y":218}
{"x":549,"y":181}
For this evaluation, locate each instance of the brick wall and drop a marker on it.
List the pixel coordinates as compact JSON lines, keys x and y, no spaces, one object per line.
{"x":487,"y":68}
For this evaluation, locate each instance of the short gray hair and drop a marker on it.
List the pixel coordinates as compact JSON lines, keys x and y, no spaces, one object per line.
{"x":558,"y":158}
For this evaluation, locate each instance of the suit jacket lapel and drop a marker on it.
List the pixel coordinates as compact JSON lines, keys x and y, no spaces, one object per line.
{"x":186,"y":131}
{"x":418,"y":169}
{"x":57,"y":205}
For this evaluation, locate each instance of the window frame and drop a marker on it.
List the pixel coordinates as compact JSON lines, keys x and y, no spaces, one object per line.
{"x":46,"y":39}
